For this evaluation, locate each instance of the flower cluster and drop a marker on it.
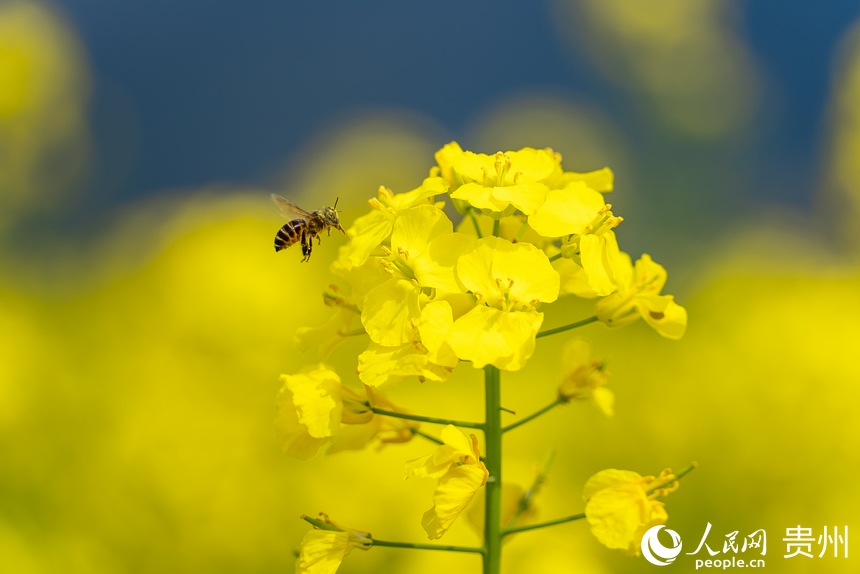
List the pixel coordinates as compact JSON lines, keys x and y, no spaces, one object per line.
{"x":428,"y":294}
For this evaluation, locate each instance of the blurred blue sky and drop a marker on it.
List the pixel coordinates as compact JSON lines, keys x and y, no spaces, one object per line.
{"x":191,"y":93}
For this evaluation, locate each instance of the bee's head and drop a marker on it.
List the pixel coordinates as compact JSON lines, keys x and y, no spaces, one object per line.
{"x":331,"y":218}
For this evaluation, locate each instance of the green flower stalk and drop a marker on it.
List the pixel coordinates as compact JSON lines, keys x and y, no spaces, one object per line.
{"x":430,"y":297}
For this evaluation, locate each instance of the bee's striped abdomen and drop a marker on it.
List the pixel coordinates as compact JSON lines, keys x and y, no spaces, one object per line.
{"x":289,"y":234}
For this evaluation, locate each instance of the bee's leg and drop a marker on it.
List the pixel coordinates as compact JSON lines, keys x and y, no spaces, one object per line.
{"x":307,"y":245}
{"x":319,"y":240}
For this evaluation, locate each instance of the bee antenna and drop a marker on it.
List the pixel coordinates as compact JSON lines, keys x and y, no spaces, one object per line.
{"x":336,"y":200}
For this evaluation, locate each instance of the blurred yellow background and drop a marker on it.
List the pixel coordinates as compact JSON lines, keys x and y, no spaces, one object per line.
{"x":138,"y":372}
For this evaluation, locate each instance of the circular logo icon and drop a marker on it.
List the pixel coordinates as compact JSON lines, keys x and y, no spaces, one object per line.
{"x":655,"y":552}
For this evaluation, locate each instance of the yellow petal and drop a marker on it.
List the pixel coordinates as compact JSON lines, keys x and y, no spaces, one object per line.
{"x":318,"y":402}
{"x":434,"y":327}
{"x":292,"y":436}
{"x":453,"y":493}
{"x":663,"y":314}
{"x":366,"y":234}
{"x":429,"y":188}
{"x":479,"y":196}
{"x":604,"y":399}
{"x":616,"y":514}
{"x":607,"y":478}
{"x":445,"y":158}
{"x":489,"y":336}
{"x":526,"y":269}
{"x":601,"y":180}
{"x":573,"y":279}
{"x":493,"y":266}
{"x":649,"y":275}
{"x":435,"y":267}
{"x":527,"y":197}
{"x":462,"y":445}
{"x":386,"y":367}
{"x":390,"y":311}
{"x":433,"y":465}
{"x":353,"y":437}
{"x":415,"y":227}
{"x":322,"y":551}
{"x":531,"y":164}
{"x":600,"y":255}
{"x":567,"y":211}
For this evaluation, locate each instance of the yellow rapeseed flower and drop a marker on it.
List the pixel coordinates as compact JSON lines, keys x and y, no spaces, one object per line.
{"x":424,"y":250}
{"x":579,"y":215}
{"x":370,"y":230}
{"x":428,"y":355}
{"x":310,"y":409}
{"x":506,"y":181}
{"x":322,"y":551}
{"x":621,"y":505}
{"x":508,"y":280}
{"x":638,"y":295}
{"x":457,"y":464}
{"x":583,"y":377}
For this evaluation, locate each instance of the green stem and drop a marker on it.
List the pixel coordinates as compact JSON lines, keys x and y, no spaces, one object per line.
{"x":497,"y":227}
{"x":319,"y":523}
{"x":534,"y":415}
{"x":471,"y":213}
{"x":555,"y":257}
{"x":508,"y":531}
{"x":443,"y":547}
{"x":429,"y":437}
{"x":423,"y":419}
{"x":566,"y":327}
{"x":493,"y":506}
{"x":447,"y":548}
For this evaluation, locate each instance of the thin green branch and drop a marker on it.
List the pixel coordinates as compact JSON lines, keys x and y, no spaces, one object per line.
{"x":497,"y":228}
{"x":534,"y":415}
{"x":555,"y":257}
{"x":423,"y":419}
{"x":566,"y":327}
{"x":429,"y":437}
{"x":474,"y":217}
{"x":446,"y":548}
{"x":515,"y":529}
{"x":414,"y":546}
{"x":319,"y":523}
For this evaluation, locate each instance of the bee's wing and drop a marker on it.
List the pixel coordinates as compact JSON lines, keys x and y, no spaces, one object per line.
{"x":289,"y":209}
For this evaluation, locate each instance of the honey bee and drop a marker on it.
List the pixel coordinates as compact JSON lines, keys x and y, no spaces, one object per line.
{"x":303,"y":226}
